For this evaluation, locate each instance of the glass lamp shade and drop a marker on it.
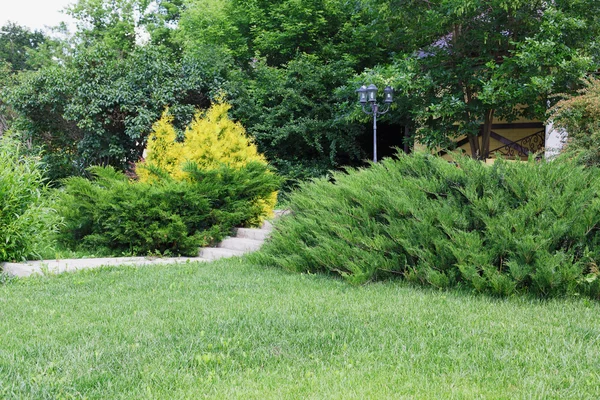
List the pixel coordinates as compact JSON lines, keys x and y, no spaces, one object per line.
{"x":362,"y":94}
{"x":372,"y":93}
{"x":388,"y":95}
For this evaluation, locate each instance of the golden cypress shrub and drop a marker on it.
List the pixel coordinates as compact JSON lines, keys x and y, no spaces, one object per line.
{"x":162,"y":151}
{"x":211,"y":139}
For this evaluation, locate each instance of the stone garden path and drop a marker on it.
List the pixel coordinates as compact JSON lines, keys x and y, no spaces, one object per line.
{"x":245,"y":240}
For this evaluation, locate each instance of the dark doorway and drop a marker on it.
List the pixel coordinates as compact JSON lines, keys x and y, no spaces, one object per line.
{"x":390,"y":137}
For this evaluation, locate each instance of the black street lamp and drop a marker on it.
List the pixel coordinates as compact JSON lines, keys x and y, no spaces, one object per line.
{"x":369,"y":95}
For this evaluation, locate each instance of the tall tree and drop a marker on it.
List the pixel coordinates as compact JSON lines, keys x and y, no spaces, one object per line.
{"x":5,"y":78}
{"x":16,"y":42}
{"x":121,"y":24}
{"x":96,"y":104}
{"x":290,"y":111}
{"x":17,"y":45}
{"x":279,"y":30}
{"x":489,"y":59}
{"x":99,"y":108}
{"x":290,"y":57}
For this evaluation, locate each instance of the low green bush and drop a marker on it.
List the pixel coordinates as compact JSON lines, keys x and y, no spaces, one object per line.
{"x":166,"y":216}
{"x":503,"y":229}
{"x":26,"y":221}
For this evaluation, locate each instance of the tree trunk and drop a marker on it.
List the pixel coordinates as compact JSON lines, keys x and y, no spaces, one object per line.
{"x":405,"y":141}
{"x":473,"y":139}
{"x":481,"y":151}
{"x":474,"y":143}
{"x":485,"y":134}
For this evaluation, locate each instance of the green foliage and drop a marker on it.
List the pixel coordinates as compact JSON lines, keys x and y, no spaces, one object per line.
{"x":25,"y":220}
{"x":6,"y":78}
{"x":291,"y":113}
{"x":291,"y":56}
{"x":503,"y":229}
{"x":280,"y":30}
{"x":482,"y":60}
{"x":174,"y":217}
{"x":16,"y":43}
{"x":289,"y":69}
{"x":99,"y":108}
{"x":120,"y":24}
{"x":278,"y":62}
{"x":18,"y":47}
{"x":579,"y":116}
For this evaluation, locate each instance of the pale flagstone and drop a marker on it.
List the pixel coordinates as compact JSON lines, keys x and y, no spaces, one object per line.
{"x":241,"y":244}
{"x":214,"y":253}
{"x":45,"y":267}
{"x":246,"y":240}
{"x":255,"y":234}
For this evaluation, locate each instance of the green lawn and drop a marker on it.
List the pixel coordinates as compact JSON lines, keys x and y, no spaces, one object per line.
{"x":231,"y":329}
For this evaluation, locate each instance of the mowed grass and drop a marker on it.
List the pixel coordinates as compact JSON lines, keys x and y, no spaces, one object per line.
{"x":232,"y":329}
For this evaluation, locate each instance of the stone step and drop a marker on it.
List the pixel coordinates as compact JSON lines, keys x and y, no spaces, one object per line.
{"x":281,"y":213}
{"x":214,"y":253}
{"x":267,"y":226}
{"x":240,"y":244}
{"x":246,"y":240}
{"x":252,"y":233}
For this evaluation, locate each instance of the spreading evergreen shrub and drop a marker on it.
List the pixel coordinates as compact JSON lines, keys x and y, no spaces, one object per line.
{"x":165,"y":216}
{"x":502,"y":229}
{"x":25,"y":219}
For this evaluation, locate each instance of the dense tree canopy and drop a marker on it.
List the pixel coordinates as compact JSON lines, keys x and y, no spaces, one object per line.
{"x":99,"y":108}
{"x":123,"y":24}
{"x":16,"y":43}
{"x":289,"y":68}
{"x":292,"y":56}
{"x":17,"y":53}
{"x":491,"y":58}
{"x":280,"y":30}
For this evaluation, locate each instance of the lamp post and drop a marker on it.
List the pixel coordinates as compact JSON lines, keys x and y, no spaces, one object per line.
{"x":369,"y":95}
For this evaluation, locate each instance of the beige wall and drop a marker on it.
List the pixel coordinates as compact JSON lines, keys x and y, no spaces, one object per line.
{"x":512,"y":134}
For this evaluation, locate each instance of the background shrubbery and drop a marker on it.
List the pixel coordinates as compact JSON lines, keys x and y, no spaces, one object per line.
{"x":190,"y":192}
{"x":579,"y":115}
{"x":167,"y":216}
{"x":506,"y":228}
{"x":25,"y":219}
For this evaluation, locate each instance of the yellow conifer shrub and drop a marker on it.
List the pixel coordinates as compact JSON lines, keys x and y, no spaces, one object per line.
{"x":211,"y":139}
{"x":162,"y":151}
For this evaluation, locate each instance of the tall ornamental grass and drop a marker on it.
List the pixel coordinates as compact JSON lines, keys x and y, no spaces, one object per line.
{"x":26,"y":221}
{"x":507,"y":228}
